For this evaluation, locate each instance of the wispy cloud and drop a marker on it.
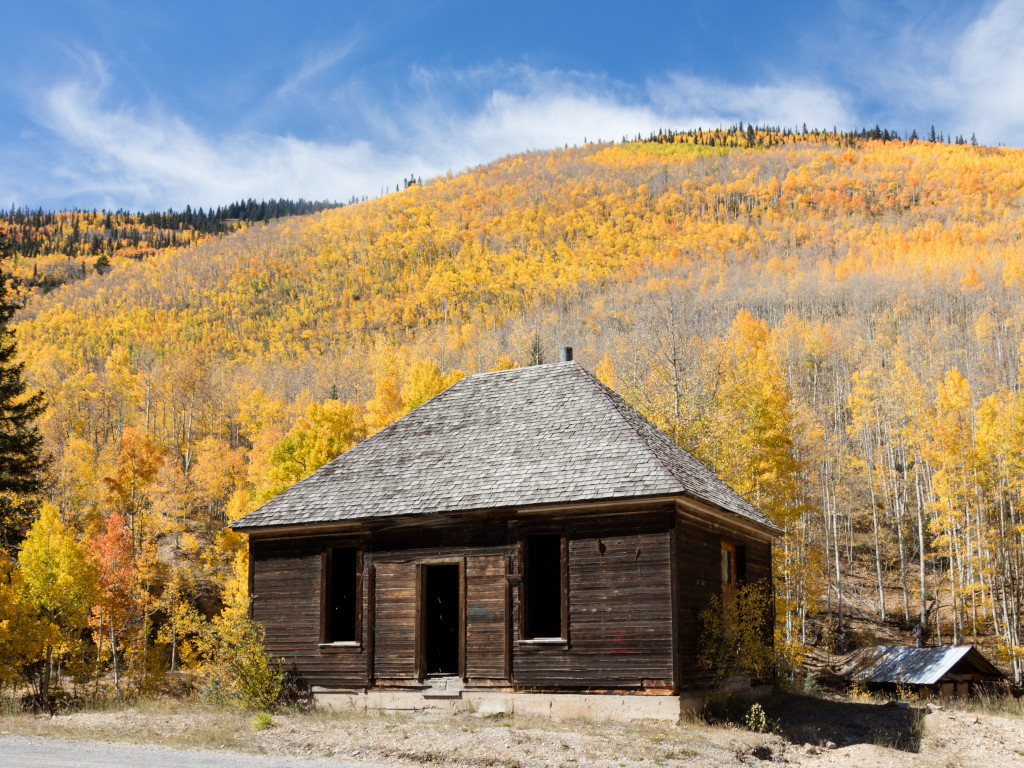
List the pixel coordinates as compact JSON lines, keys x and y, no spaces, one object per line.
{"x":315,"y":65}
{"x":144,"y":157}
{"x":959,"y":76}
{"x":985,"y":82}
{"x":695,"y":101}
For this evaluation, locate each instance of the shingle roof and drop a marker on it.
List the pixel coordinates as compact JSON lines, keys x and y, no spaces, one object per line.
{"x":546,"y":434}
{"x":916,"y":666}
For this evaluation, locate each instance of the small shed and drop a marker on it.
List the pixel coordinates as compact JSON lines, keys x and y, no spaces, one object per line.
{"x":945,"y":671}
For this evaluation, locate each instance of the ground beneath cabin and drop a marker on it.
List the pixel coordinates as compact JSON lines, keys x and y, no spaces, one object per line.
{"x":812,"y":732}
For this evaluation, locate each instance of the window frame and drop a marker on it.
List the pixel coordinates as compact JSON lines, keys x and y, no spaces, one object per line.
{"x":737,"y":564}
{"x":326,"y":644}
{"x":524,"y":570}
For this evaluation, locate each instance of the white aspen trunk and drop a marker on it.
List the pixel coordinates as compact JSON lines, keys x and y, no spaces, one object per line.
{"x":113,"y":655}
{"x":874,"y":522}
{"x":952,"y":587}
{"x":920,"y":544}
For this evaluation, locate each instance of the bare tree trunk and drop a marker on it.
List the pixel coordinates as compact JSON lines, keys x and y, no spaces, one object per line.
{"x":874,"y":523}
{"x":113,"y":656}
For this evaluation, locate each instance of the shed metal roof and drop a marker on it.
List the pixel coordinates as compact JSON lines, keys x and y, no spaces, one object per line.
{"x":916,"y":666}
{"x":546,"y":434}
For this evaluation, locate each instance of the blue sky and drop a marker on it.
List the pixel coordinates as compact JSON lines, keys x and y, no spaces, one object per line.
{"x":153,"y":105}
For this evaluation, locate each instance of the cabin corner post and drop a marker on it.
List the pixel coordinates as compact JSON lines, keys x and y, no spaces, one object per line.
{"x":676,"y":606}
{"x":370,"y":625}
{"x":251,"y":578}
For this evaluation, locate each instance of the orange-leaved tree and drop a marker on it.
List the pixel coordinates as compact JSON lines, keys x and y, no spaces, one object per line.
{"x":119,"y":612}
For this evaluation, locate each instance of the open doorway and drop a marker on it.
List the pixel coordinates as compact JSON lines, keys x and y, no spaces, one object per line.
{"x":441,"y":619}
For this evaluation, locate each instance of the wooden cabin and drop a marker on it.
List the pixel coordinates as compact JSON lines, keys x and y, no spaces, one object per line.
{"x":525,"y":539}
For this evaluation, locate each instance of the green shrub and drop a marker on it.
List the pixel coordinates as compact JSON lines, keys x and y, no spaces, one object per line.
{"x":810,"y":684}
{"x":756,"y":720}
{"x":237,"y":667}
{"x":736,"y":634}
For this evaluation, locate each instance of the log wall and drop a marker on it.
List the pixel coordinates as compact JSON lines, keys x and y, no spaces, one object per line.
{"x":287,"y":592}
{"x":619,"y":606}
{"x":634,"y":582}
{"x":699,"y":574}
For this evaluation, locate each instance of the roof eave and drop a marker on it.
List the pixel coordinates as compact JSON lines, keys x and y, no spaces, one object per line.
{"x":583,"y":506}
{"x":765,"y":531}
{"x":680,"y":500}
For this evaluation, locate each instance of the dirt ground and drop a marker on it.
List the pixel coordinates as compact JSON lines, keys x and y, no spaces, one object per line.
{"x":810,"y":731}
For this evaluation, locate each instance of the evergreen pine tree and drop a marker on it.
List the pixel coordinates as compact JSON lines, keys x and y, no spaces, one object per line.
{"x":21,"y":446}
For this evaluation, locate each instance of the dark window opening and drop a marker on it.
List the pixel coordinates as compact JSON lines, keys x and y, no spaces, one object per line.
{"x":441,"y":605}
{"x":342,"y":603}
{"x":542,"y":615}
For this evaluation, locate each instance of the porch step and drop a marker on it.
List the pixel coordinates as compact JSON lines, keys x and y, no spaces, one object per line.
{"x":443,"y":688}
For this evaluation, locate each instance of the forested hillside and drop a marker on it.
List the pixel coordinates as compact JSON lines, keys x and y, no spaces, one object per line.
{"x":834,"y":323}
{"x":50,"y":248}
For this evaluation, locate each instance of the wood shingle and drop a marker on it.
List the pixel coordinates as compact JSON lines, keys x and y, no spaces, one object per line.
{"x":546,"y":434}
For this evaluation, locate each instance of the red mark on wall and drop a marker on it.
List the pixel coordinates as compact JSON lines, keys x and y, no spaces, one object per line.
{"x":619,"y":641}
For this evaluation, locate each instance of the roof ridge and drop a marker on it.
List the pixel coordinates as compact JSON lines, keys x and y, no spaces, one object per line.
{"x":518,"y":368}
{"x":603,"y":390}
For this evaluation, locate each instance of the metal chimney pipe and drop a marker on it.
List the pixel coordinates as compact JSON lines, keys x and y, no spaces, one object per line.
{"x":566,"y":354}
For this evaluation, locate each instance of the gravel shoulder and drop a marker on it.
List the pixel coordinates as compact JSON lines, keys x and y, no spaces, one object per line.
{"x":861,"y":734}
{"x":34,"y":751}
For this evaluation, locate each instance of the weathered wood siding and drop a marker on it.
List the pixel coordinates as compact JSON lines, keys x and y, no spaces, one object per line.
{"x":394,"y":643}
{"x":486,"y":618}
{"x":625,"y":572}
{"x":699,"y":574}
{"x":286,"y":590}
{"x":620,"y":609}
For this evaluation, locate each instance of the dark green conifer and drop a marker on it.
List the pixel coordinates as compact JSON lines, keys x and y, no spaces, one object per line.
{"x":21,"y":446}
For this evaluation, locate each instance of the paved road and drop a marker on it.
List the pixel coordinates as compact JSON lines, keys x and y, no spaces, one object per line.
{"x":34,"y":752}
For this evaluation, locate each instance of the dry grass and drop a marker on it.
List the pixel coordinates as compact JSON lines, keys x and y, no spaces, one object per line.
{"x":146,"y":721}
{"x":864,"y":732}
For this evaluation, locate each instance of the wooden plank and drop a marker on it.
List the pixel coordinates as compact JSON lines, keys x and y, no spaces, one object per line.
{"x":619,"y":605}
{"x":462,"y":619}
{"x":395,"y":636}
{"x":371,"y":613}
{"x":485,"y":617}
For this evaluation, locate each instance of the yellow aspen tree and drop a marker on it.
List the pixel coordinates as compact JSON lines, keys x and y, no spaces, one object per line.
{"x":386,"y":406}
{"x":423,"y":380}
{"x":59,"y":582}
{"x":24,"y":633}
{"x":951,"y":450}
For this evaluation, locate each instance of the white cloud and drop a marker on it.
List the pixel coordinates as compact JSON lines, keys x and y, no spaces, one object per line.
{"x":985,"y":83}
{"x":958,"y":78}
{"x":695,"y":101}
{"x":142,"y":157}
